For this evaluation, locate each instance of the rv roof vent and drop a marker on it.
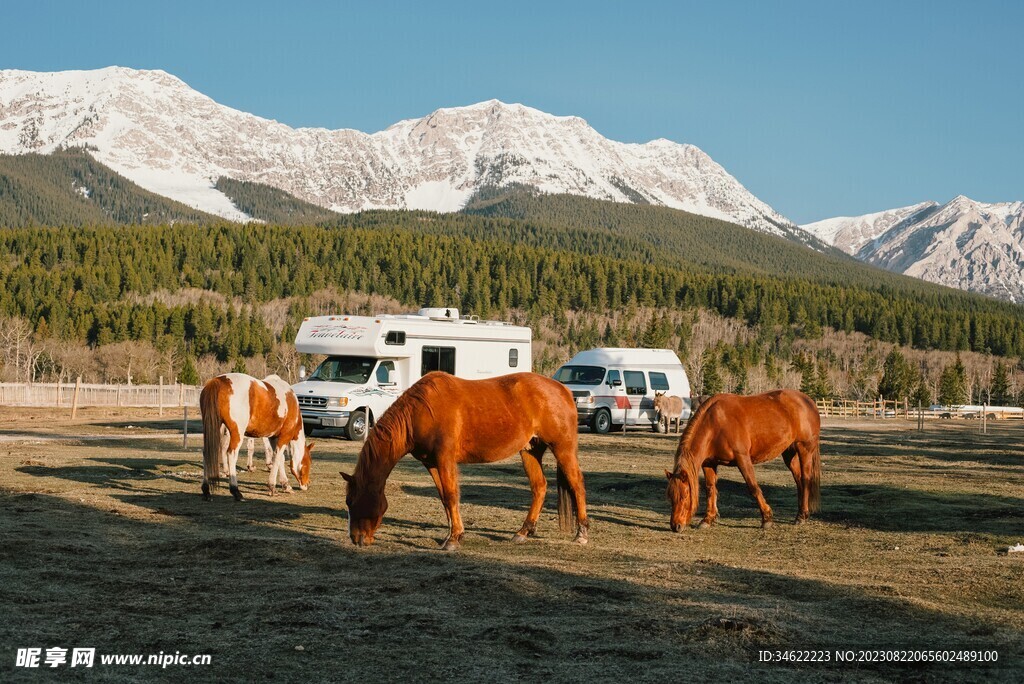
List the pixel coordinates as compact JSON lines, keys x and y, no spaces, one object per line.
{"x":440,"y":314}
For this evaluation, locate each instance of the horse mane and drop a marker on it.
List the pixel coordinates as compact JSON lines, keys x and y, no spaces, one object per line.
{"x":686,"y":465}
{"x":391,"y":436}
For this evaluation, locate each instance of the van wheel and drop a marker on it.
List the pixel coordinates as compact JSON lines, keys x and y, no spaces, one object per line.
{"x":658,"y":427}
{"x":601,"y":423}
{"x":356,"y":427}
{"x":307,"y":429}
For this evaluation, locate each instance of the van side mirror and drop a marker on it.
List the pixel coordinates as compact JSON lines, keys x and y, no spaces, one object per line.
{"x":302,"y":372}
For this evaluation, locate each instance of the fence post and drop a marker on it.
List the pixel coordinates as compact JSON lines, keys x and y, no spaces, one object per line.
{"x":984,"y":419}
{"x":181,"y":394}
{"x":118,"y":400}
{"x":74,"y":397}
{"x":184,"y":431}
{"x":160,"y":397}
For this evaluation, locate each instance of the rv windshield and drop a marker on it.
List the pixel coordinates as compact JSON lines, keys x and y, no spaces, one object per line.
{"x":354,"y":370}
{"x":580,"y":375}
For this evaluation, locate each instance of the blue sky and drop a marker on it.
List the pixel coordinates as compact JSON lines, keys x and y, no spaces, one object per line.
{"x":819,"y":108}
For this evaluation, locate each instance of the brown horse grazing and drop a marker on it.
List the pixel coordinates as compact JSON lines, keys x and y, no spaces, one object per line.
{"x":732,"y":430}
{"x":443,"y":421}
{"x":236,"y":405}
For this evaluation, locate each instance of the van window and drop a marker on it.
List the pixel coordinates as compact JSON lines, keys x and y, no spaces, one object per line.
{"x":580,"y":375}
{"x":438,"y":358}
{"x":382,"y":371}
{"x":396,"y":337}
{"x":513,"y":358}
{"x":613,"y":377}
{"x":659,"y":382}
{"x":635,"y":382}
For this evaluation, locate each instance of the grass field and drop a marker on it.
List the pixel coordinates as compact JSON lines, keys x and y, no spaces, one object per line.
{"x":107,"y":544}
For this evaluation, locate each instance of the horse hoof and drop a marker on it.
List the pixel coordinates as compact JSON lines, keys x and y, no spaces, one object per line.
{"x":289,"y":490}
{"x":766,"y":525}
{"x":451,"y":546}
{"x":520,"y":538}
{"x":237,"y":494}
{"x":303,"y":487}
{"x":704,"y":524}
{"x":581,"y":537}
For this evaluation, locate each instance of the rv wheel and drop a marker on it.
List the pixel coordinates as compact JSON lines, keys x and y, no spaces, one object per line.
{"x":356,"y":427}
{"x":601,"y":423}
{"x":307,"y":429}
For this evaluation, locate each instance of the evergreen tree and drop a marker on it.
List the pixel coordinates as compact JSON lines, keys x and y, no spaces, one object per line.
{"x":897,"y":376}
{"x":712,"y":380}
{"x":189,"y":375}
{"x":1000,"y":394}
{"x":239,"y":366}
{"x":953,"y":384}
{"x":922,"y":394}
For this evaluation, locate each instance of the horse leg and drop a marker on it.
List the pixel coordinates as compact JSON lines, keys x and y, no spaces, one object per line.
{"x":225,"y":439}
{"x":278,"y":473}
{"x":538,"y":485}
{"x":448,"y":475}
{"x":746,"y":467}
{"x":250,"y":446}
{"x":436,"y":477}
{"x":806,"y":453}
{"x":711,"y":485}
{"x":268,"y":453}
{"x":233,"y":448}
{"x":570,"y":467}
{"x":793,"y":463}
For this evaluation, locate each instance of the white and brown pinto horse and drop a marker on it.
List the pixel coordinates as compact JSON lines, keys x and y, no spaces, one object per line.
{"x":235,"y":405}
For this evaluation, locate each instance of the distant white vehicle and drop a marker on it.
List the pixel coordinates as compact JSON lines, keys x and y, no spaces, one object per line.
{"x":613,"y":386}
{"x":371,"y":360}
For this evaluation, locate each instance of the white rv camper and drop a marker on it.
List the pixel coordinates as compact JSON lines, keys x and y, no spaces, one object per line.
{"x":373,"y":359}
{"x":613,"y":386}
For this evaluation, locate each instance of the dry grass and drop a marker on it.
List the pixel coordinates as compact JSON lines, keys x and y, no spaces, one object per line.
{"x":106,"y":543}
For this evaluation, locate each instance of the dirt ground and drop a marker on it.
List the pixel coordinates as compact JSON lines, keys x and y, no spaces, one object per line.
{"x":107,"y":544}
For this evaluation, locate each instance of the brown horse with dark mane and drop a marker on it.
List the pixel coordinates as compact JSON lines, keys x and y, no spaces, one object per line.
{"x":734,"y":430}
{"x":443,"y":421}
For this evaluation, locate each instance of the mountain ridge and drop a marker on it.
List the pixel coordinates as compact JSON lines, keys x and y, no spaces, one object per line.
{"x":157,"y":131}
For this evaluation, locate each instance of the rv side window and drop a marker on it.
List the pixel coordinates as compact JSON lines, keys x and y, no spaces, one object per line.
{"x":613,"y":377}
{"x":382,"y":371}
{"x":438,"y":358}
{"x":395,"y":337}
{"x":635,"y":383}
{"x":659,"y":382}
{"x":513,"y":358}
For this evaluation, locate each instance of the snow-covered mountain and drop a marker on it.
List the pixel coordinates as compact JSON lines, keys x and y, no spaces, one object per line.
{"x":154,"y":129}
{"x":963,"y":244}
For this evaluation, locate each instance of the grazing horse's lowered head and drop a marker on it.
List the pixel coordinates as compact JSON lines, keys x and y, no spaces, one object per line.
{"x":302,"y":471}
{"x":366,"y":511}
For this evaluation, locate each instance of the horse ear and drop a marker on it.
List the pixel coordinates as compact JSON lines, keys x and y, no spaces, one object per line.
{"x":309,"y":447}
{"x":348,"y":478}
{"x":668,"y":474}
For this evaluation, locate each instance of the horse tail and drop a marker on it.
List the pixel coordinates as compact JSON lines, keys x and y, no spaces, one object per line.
{"x":814,"y":486}
{"x":210,"y":410}
{"x":566,"y":502}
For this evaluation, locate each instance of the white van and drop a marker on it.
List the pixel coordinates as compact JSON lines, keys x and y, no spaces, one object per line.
{"x":613,"y":386}
{"x":371,"y":360}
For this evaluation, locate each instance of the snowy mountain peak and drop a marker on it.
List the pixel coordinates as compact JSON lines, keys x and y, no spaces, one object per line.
{"x":963,"y":243}
{"x":155,"y":130}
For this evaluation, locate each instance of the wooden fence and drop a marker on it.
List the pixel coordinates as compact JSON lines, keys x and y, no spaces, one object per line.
{"x":884,"y":408}
{"x":63,"y":395}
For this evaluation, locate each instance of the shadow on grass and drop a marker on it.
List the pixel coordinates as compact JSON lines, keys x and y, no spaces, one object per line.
{"x":249,"y":594}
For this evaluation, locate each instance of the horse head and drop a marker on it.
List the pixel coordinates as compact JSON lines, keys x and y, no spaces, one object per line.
{"x":682,"y":494}
{"x":366,"y":508}
{"x":302,"y":473}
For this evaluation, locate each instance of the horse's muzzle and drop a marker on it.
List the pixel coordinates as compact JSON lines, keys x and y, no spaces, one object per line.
{"x":676,"y":527}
